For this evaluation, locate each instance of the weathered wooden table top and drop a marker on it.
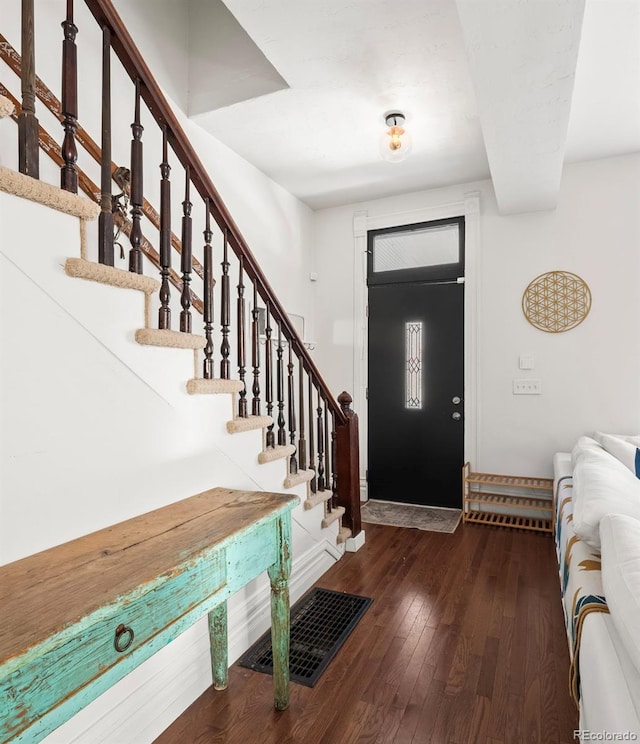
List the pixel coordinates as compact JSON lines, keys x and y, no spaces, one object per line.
{"x":46,"y":592}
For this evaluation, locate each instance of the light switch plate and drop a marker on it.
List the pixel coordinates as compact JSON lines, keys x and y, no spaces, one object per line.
{"x":526,"y":361}
{"x":527,"y":387}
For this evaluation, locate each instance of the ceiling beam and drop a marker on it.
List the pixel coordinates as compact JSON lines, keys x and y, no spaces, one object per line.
{"x":522,"y":58}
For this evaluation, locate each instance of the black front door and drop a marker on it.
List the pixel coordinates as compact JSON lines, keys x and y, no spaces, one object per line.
{"x":416,"y":371}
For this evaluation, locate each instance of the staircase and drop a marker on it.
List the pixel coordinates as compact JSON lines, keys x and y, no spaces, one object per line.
{"x":134,"y":384}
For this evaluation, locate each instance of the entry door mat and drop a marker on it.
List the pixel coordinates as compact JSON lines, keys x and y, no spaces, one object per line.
{"x":321,"y":621}
{"x":394,"y":514}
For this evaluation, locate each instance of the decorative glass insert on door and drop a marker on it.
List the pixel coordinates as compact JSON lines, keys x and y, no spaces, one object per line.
{"x":413,"y":355}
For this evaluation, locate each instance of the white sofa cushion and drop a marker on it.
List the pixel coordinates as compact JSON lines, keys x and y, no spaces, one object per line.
{"x":633,"y":438}
{"x":624,"y":450}
{"x":583,"y":446}
{"x":601,"y":485}
{"x":620,"y":539}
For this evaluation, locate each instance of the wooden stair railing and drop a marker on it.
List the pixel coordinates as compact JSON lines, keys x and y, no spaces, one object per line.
{"x":11,"y":57}
{"x":49,"y":146}
{"x":336,"y":429}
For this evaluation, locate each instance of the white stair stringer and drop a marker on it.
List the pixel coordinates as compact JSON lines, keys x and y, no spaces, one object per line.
{"x":101,"y":317}
{"x":108,"y":316}
{"x":107,"y":313}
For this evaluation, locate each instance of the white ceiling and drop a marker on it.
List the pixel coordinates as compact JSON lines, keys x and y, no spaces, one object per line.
{"x":508,"y":89}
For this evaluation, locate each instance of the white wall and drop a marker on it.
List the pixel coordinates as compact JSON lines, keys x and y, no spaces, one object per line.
{"x":160,"y":29}
{"x":276,"y":225}
{"x":590,"y":375}
{"x":89,"y":433}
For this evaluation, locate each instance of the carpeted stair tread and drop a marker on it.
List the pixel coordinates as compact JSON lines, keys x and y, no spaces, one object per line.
{"x":333,"y":516}
{"x":317,"y":498}
{"x":238,"y":425}
{"x":344,"y":533}
{"x":169,"y":339}
{"x":96,"y":272}
{"x":200,"y":386}
{"x":6,"y":107}
{"x":302,"y":476}
{"x":279,"y":452}
{"x":26,"y":187}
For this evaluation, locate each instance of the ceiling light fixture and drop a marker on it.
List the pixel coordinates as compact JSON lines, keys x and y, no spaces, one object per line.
{"x":396,"y":142}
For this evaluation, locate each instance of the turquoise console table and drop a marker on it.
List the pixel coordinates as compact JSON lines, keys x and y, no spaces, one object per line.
{"x":77,"y":618}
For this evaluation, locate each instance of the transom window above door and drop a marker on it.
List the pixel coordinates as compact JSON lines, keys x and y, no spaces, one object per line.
{"x":435,"y":247}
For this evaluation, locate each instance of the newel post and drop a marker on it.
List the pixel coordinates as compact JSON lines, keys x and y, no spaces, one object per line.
{"x":347,"y":465}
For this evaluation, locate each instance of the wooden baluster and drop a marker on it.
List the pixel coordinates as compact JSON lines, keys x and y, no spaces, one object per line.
{"x":69,"y":171}
{"x":242,"y":401}
{"x":135,"y":236}
{"x":105,"y":220}
{"x":164,"y":311}
{"x":282,"y":436}
{"x":334,"y":469}
{"x":271,"y":439}
{"x":320,"y":423}
{"x":225,"y":313}
{"x":293,"y":462}
{"x":207,"y":366}
{"x":327,"y":454}
{"x":302,"y":442}
{"x":186,"y":257}
{"x":255,"y":355}
{"x":28,"y":153}
{"x":313,"y":484}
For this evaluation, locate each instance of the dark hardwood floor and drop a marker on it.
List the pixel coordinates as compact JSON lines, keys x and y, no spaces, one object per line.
{"x":464,"y":643}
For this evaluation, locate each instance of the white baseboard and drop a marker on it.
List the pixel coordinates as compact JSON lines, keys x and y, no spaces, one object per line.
{"x":140,"y":707}
{"x":354,"y":544}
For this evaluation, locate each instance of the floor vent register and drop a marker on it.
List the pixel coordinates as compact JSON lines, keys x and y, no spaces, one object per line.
{"x":321,"y":621}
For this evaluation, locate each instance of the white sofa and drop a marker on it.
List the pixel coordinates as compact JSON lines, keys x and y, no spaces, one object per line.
{"x":597,"y":531}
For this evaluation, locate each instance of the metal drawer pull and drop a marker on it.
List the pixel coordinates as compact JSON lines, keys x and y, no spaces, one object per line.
{"x":124,"y":638}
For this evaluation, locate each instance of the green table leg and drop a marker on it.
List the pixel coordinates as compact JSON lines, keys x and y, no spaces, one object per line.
{"x":219,"y":646}
{"x":280,"y":614}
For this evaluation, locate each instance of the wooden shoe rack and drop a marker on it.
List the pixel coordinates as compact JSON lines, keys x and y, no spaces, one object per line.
{"x":507,"y":500}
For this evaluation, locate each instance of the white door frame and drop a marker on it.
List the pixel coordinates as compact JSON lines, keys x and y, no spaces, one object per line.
{"x":362,"y":223}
